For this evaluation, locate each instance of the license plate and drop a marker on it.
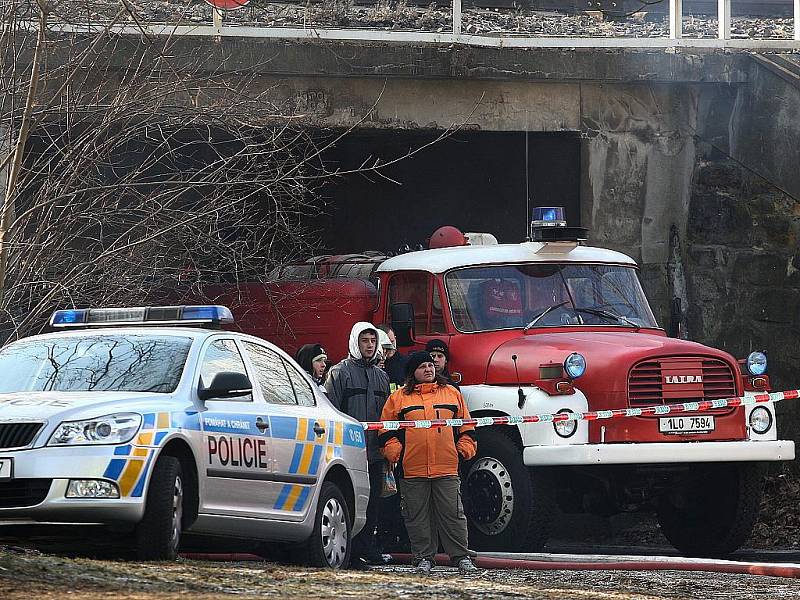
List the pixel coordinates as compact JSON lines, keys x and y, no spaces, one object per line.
{"x":6,"y":469}
{"x":703,"y":424}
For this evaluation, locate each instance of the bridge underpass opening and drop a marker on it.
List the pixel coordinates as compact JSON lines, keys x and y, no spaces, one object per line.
{"x":474,"y":180}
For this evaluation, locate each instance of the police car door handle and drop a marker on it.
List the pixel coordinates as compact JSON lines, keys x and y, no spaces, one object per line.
{"x":262,"y":424}
{"x":319,"y":429}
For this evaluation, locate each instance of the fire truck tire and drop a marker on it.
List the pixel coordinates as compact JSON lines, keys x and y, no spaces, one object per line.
{"x":509,"y":506}
{"x":714,"y":512}
{"x":331,"y":541}
{"x":158,"y":534}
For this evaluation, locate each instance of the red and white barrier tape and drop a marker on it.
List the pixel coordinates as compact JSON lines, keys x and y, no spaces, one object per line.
{"x":661,"y":409}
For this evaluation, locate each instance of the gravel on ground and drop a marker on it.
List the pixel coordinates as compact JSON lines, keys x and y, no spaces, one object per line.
{"x":26,"y":573}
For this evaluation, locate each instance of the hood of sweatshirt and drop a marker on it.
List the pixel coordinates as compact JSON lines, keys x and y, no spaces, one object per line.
{"x":356,"y":331}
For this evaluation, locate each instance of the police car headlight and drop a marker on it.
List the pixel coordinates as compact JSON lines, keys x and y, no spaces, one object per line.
{"x":111,"y":429}
{"x":757,"y":363}
{"x":575,"y":365}
{"x":760,"y":420}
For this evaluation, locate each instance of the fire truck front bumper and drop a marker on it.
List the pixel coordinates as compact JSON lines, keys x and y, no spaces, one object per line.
{"x":658,"y":453}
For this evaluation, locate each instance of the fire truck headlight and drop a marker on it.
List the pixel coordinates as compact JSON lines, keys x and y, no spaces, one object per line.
{"x":565,"y":429}
{"x":760,"y":420}
{"x":757,"y":363}
{"x":575,"y":365}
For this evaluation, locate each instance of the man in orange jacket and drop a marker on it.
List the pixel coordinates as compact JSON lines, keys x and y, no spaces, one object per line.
{"x":427,"y":462}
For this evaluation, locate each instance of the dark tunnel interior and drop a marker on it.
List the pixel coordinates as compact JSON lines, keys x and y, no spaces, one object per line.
{"x":474,"y":180}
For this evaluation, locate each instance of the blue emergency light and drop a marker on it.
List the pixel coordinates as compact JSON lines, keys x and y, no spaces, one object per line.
{"x":549,"y":216}
{"x":549,"y":224}
{"x":142,"y":315}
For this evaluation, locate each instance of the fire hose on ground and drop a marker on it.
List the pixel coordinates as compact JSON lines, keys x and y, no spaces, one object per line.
{"x":656,"y":563}
{"x":568,"y":562}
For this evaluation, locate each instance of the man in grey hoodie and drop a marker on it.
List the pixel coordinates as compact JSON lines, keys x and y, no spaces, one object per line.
{"x":357,"y":387}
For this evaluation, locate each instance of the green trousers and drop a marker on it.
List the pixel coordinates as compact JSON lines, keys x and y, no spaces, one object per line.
{"x":433,"y":512}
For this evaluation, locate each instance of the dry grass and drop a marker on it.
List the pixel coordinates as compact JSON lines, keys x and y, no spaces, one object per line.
{"x":779,"y":523}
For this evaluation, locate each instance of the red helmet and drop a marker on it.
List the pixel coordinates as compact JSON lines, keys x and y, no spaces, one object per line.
{"x":447,"y":236}
{"x":228,"y":4}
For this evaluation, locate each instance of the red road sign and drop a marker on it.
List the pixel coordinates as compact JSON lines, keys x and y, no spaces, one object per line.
{"x":228,"y":4}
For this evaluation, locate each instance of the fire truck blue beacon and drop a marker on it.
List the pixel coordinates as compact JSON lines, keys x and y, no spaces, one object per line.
{"x":156,"y":422}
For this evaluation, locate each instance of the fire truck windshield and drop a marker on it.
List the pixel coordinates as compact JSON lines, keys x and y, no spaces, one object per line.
{"x":546,"y":295}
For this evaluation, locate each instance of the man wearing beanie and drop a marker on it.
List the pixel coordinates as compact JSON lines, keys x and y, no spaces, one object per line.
{"x":357,"y":387}
{"x":427,"y":463}
{"x":441,"y":356}
{"x":314,"y":361}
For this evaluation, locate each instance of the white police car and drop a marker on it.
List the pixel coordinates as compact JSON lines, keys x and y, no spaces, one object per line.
{"x":136,"y":420}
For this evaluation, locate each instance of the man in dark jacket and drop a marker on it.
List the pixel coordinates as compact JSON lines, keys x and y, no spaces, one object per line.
{"x":357,"y":387}
{"x":395,"y":363}
{"x":391,"y":529}
{"x":440,"y":353}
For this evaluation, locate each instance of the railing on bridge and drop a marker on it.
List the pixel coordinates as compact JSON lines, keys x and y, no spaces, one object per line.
{"x":675,"y":24}
{"x":723,"y":19}
{"x":672,"y":23}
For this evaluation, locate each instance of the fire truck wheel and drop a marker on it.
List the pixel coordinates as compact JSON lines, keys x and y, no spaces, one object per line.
{"x":158,"y":535}
{"x":331,"y":540}
{"x":509,"y":506}
{"x":713,"y":511}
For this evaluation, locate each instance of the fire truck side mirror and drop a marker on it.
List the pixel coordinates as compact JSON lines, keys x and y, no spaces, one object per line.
{"x":402,"y":314}
{"x":675,"y":314}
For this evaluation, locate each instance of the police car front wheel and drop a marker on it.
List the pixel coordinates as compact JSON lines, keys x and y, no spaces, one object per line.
{"x":158,"y":534}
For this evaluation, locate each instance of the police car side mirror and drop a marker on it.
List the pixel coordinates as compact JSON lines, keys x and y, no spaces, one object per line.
{"x":402,"y":314}
{"x":226,"y":384}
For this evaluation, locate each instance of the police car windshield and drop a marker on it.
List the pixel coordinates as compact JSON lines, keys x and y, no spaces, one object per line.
{"x":547,"y":295}
{"x":129,"y":363}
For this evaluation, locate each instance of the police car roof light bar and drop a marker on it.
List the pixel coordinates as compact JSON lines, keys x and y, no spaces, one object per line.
{"x":142,"y":315}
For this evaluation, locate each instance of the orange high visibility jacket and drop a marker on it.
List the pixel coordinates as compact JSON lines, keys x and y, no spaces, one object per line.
{"x":430,"y":452}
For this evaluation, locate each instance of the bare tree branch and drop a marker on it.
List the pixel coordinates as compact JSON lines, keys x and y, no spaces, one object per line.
{"x":19,"y":150}
{"x":146,"y":182}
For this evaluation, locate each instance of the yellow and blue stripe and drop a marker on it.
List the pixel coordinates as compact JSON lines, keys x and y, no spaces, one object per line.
{"x":283,"y":428}
{"x":131,"y":462}
{"x":310,"y":450}
{"x":293,"y":497}
{"x":306,"y":458}
{"x":336,"y":433}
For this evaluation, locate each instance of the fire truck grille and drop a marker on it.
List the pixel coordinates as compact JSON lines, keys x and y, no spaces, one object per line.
{"x":18,"y":435}
{"x":18,"y":493}
{"x":680,"y":379}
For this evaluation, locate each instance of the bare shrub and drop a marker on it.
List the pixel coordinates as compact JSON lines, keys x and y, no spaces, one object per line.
{"x":145,"y":186}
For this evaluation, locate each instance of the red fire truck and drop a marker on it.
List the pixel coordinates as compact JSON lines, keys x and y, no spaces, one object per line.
{"x":548,"y":326}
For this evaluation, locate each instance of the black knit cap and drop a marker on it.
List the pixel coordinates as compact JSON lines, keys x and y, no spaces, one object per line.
{"x":415,"y":360}
{"x":438,"y":346}
{"x":306,"y":354}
